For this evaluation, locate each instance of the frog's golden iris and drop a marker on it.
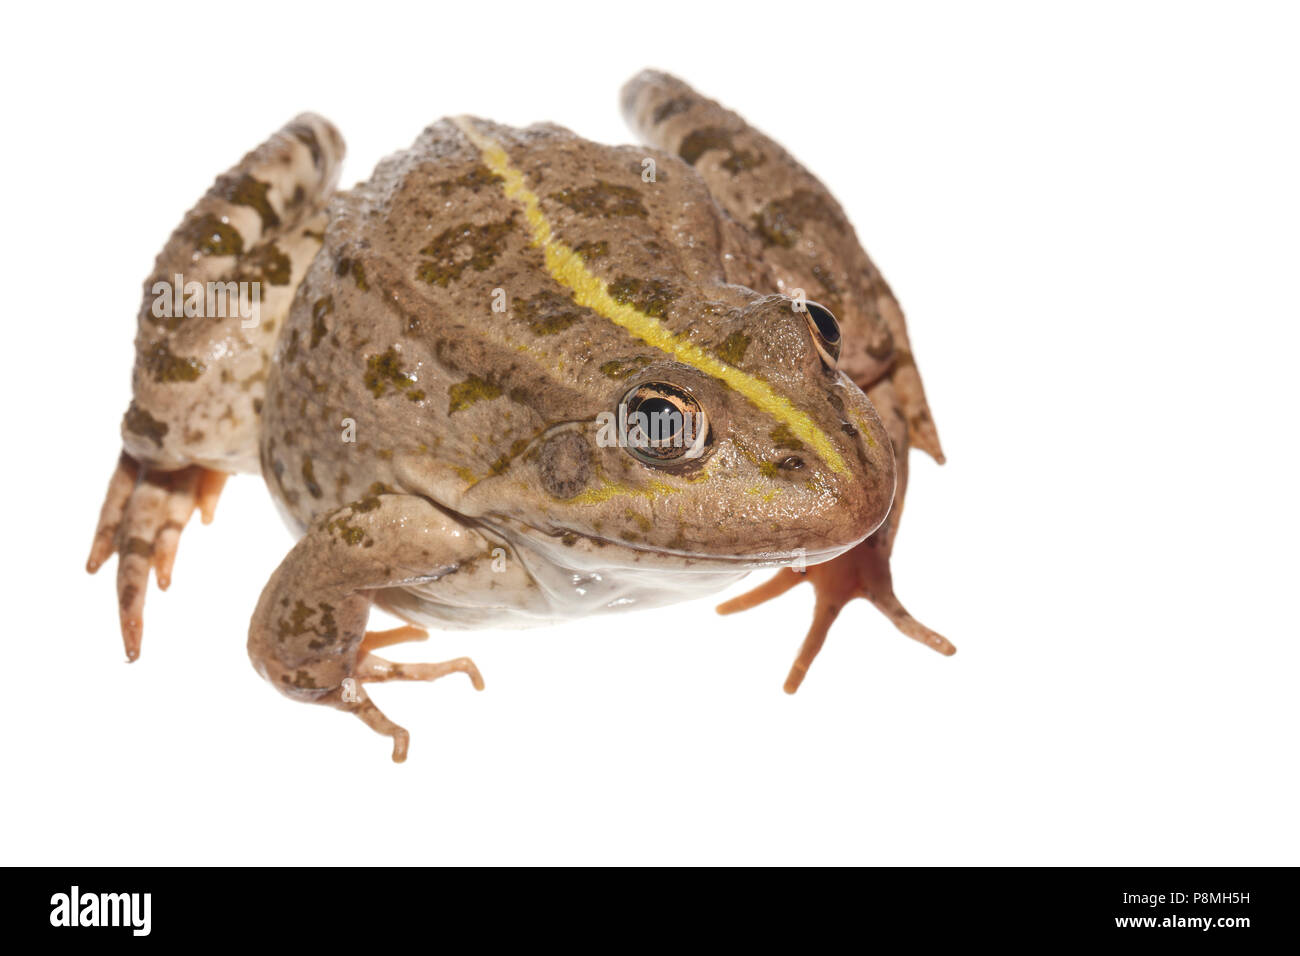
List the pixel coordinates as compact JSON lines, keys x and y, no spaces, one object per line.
{"x":663,"y":424}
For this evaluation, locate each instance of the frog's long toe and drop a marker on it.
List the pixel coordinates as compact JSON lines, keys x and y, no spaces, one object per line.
{"x":774,"y":586}
{"x":142,"y":518}
{"x":119,"y":491}
{"x":376,"y":720}
{"x":373,"y":669}
{"x":396,"y":635}
{"x":889,"y":606}
{"x":209,"y":491}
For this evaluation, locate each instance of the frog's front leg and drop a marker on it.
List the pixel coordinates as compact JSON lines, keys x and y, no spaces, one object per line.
{"x":308,"y":635}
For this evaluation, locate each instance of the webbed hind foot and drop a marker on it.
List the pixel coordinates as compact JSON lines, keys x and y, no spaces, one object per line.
{"x":141,"y":521}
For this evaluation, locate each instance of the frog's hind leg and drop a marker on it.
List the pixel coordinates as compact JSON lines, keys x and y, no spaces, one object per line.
{"x":780,"y":213}
{"x":218,"y":295}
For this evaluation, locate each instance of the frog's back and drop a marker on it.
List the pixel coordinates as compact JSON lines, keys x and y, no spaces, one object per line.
{"x":432,"y":326}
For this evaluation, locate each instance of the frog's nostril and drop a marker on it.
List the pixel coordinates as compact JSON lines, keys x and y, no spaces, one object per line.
{"x":790,"y":463}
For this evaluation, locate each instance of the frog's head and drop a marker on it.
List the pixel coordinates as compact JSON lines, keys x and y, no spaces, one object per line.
{"x":745,"y":450}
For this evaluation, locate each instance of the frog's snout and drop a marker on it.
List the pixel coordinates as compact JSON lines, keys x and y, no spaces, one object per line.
{"x":863,"y":497}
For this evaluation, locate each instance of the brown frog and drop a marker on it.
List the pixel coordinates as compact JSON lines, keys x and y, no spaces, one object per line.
{"x":519,"y":376}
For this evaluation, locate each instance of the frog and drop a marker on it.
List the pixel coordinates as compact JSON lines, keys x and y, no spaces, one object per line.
{"x":517,"y":377}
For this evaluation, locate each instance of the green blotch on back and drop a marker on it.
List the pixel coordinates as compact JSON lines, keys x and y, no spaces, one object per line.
{"x":347,"y":264}
{"x":548,"y":312}
{"x":474,"y":389}
{"x":446,"y":252}
{"x":603,"y":200}
{"x":592,"y":250}
{"x":384,"y":371}
{"x":733,"y":347}
{"x":651,"y":296}
{"x":474,"y":180}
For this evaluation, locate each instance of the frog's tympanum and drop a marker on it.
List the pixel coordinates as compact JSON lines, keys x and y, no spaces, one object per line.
{"x":516,"y":377}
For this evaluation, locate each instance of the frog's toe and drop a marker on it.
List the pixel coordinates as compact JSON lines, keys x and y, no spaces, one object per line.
{"x":862,"y":572}
{"x":143,"y":515}
{"x":181,"y":500}
{"x":210,"y":485}
{"x":823,"y":617}
{"x":774,"y":586}
{"x":869,"y":563}
{"x":120,"y":487}
{"x":372,"y":669}
{"x":832,"y":595}
{"x":889,"y":606}
{"x":396,"y":635}
{"x":376,"y":720}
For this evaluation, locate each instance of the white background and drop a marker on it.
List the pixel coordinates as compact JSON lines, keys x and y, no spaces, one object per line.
{"x":1090,"y":217}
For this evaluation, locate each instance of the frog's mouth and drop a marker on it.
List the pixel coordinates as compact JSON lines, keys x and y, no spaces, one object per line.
{"x":567,"y":548}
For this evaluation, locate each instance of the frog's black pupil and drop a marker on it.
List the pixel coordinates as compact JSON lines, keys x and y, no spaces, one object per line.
{"x":825,"y":322}
{"x":663,"y":418}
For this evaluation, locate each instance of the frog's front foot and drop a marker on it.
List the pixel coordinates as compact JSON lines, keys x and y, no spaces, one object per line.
{"x":373,"y":669}
{"x":142,"y":518}
{"x":860,"y":572}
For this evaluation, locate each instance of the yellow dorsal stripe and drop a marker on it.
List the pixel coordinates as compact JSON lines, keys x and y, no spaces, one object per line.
{"x":567,"y":268}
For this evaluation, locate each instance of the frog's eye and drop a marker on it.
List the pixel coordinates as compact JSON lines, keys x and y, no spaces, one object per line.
{"x":662,"y":424}
{"x":825,"y":332}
